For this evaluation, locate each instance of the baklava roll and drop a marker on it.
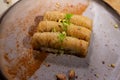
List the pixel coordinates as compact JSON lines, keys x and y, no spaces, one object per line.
{"x":51,"y":40}
{"x":75,"y":19}
{"x":72,"y":30}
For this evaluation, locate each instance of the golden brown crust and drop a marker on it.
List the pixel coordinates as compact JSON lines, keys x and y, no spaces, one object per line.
{"x":50,"y":39}
{"x":75,"y":19}
{"x":59,"y":31}
{"x":73,"y":30}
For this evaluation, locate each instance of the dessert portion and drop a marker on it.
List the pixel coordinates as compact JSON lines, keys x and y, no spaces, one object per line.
{"x":63,"y":33}
{"x":51,"y":40}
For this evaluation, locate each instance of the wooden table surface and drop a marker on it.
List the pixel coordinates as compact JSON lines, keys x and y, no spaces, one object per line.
{"x":115,"y":4}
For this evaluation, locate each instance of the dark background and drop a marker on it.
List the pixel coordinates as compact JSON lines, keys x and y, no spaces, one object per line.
{"x":2,"y":77}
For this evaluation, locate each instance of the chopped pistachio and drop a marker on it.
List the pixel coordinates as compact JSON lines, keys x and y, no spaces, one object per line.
{"x":62,"y":36}
{"x":66,"y":21}
{"x":68,"y":16}
{"x":54,"y":30}
{"x":64,"y":27}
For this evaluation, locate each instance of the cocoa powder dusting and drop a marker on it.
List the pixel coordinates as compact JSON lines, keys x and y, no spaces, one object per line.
{"x":32,"y":63}
{"x":17,"y":45}
{"x":33,"y":28}
{"x":35,"y":77}
{"x":6,"y":57}
{"x":26,"y":66}
{"x":12,"y":72}
{"x":75,"y":9}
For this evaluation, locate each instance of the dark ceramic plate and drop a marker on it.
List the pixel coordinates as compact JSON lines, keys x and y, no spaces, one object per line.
{"x":19,"y":62}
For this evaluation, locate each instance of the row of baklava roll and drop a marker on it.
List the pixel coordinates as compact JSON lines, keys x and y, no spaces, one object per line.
{"x":77,"y":34}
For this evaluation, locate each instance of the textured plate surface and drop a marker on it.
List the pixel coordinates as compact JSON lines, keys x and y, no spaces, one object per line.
{"x":19,"y":62}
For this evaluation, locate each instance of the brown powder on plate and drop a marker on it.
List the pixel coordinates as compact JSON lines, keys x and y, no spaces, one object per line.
{"x":75,"y":9}
{"x":6,"y":57}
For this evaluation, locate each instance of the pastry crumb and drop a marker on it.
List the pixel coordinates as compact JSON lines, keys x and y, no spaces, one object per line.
{"x":96,"y":75}
{"x":61,"y":76}
{"x":57,"y":5}
{"x":46,"y":64}
{"x":8,"y":1}
{"x":112,"y":65}
{"x":71,"y":74}
{"x":115,"y":26}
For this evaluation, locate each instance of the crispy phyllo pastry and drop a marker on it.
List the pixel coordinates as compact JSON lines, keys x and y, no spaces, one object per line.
{"x":53,"y":40}
{"x":73,"y":30}
{"x":63,"y":32}
{"x":75,"y":19}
